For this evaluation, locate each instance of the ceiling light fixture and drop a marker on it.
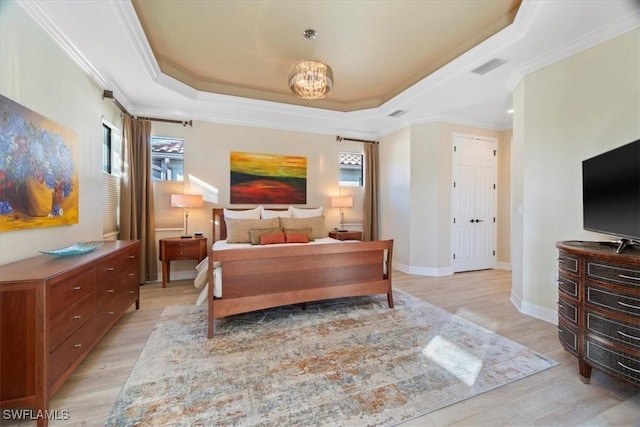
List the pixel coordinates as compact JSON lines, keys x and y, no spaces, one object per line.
{"x":310,"y":78}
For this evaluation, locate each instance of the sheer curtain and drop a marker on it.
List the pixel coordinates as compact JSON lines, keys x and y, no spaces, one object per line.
{"x":370,"y":226}
{"x":137,"y":221}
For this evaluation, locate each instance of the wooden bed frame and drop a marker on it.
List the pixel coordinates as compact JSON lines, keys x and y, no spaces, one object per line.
{"x":255,"y":279}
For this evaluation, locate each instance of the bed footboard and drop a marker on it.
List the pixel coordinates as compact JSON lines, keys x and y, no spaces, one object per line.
{"x":255,"y":279}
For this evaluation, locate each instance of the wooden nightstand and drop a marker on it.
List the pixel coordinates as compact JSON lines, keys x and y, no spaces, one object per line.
{"x":346,"y":235}
{"x":176,"y":248}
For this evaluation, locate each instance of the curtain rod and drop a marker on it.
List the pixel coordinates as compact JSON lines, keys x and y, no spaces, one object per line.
{"x":108,"y":94}
{"x":339,"y":139}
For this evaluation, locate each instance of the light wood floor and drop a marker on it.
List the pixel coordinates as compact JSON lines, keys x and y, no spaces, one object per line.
{"x":555,"y":397}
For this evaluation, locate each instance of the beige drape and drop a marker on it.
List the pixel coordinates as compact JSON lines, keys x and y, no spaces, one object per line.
{"x":370,"y":230}
{"x":137,"y":220}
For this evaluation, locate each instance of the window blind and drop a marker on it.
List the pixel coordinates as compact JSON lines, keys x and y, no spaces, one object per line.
{"x":110,"y":206}
{"x":166,"y":216}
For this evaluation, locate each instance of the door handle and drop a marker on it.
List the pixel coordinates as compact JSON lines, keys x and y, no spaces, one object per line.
{"x":479,"y":220}
{"x":472,"y":221}
{"x":475,"y":220}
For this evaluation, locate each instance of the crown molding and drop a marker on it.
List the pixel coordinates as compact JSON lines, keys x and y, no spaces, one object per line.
{"x":628,"y":23}
{"x":131,"y":23}
{"x":35,"y":11}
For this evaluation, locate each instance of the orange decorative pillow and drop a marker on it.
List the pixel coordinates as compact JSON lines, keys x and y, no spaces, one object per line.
{"x":270,"y":239}
{"x":296,"y":238}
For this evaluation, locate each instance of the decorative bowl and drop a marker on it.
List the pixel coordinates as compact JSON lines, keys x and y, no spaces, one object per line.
{"x":75,"y":249}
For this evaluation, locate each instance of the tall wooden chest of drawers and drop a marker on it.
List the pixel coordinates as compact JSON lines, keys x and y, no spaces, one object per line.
{"x":53,"y":311}
{"x":599,"y":308}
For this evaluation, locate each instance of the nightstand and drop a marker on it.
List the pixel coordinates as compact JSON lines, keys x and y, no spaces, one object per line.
{"x":176,"y":248}
{"x":346,"y":235}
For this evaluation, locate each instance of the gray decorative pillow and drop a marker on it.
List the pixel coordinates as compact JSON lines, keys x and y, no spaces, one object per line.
{"x":307,"y":231}
{"x":255,"y":233}
{"x":238,"y":228}
{"x":315,"y":223}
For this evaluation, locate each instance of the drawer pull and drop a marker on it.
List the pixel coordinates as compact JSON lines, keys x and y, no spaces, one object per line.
{"x":628,"y":367}
{"x":560,"y":260}
{"x":131,"y":274}
{"x":77,"y":317}
{"x":110,"y":268}
{"x":132,"y":292}
{"x":560,"y":329}
{"x":629,"y":336}
{"x":111,"y":313}
{"x":628,"y":305}
{"x":77,"y":288}
{"x":132,"y":256}
{"x":624,"y":276}
{"x":110,"y":291}
{"x":78,"y":345}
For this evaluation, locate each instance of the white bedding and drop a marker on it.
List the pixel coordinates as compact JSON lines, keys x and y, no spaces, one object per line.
{"x":202,"y":268}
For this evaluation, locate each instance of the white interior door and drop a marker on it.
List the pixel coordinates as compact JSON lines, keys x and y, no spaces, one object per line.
{"x":473,"y":203}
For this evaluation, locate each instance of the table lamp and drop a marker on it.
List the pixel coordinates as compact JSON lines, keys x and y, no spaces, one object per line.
{"x":186,"y":202}
{"x":342,"y":202}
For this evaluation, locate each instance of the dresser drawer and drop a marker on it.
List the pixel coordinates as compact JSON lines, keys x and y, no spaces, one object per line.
{"x":130,"y":258}
{"x":177,"y":249}
{"x":107,"y":291}
{"x":621,"y":364}
{"x":109,"y":269}
{"x":615,"y":301}
{"x":69,"y":291}
{"x":70,"y":320}
{"x":568,"y":336}
{"x":617,"y":274}
{"x":568,"y":285}
{"x":71,"y":349}
{"x":568,"y":309}
{"x":129,"y":277}
{"x":567,"y":262}
{"x":615,"y":330}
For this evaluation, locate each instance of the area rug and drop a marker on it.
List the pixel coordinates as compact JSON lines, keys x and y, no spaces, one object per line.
{"x":347,"y":362}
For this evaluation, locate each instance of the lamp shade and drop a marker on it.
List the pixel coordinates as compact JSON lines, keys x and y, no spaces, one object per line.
{"x":342,"y":202}
{"x":186,"y":201}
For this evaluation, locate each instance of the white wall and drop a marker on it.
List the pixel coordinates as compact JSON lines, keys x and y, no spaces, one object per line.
{"x":417,"y":167}
{"x":565,"y":113}
{"x":35,"y":73}
{"x":395,"y":190}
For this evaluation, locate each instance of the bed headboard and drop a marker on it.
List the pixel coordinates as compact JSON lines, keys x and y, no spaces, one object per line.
{"x":219,"y":231}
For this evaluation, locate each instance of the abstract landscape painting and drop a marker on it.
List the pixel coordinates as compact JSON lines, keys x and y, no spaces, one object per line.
{"x":268,"y":179}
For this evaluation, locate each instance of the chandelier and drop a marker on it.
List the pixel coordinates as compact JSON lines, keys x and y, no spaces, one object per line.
{"x":309,"y":78}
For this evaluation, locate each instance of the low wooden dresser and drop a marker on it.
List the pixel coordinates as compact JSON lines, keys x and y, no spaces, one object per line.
{"x":53,"y":311}
{"x":599,"y":308}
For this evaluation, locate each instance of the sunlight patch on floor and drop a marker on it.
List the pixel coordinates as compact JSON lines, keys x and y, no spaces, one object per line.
{"x":455,"y":360}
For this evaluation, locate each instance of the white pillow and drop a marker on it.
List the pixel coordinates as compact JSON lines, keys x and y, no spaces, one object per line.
{"x":267,"y":213}
{"x":305,"y":212}
{"x":244,"y":214}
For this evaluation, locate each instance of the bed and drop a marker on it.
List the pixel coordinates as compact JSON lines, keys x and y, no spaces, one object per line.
{"x":256,"y":277}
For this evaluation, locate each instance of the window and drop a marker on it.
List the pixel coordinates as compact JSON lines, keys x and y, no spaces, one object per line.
{"x":351,"y":169}
{"x":110,"y":183}
{"x":167,"y":158}
{"x":167,"y":169}
{"x":107,"y":160}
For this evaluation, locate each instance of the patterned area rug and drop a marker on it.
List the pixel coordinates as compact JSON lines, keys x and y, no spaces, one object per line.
{"x":344,"y":362}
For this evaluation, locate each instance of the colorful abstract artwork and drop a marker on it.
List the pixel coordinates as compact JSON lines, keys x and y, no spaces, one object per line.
{"x":38,"y":170}
{"x":268,"y":179}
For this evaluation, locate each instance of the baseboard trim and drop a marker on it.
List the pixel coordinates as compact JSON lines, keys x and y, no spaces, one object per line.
{"x":503,"y":266}
{"x":423,"y":271}
{"x":534,"y":310}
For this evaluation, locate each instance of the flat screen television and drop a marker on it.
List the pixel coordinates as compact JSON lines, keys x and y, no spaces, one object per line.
{"x":611,"y":194}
